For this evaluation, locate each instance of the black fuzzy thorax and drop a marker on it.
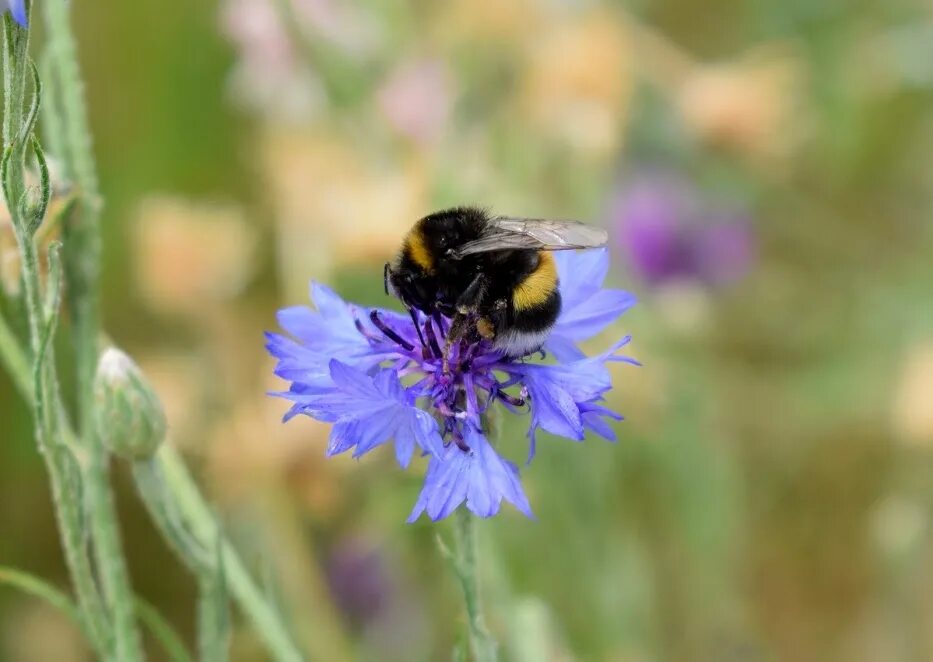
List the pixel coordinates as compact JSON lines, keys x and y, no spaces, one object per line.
{"x":445,"y":231}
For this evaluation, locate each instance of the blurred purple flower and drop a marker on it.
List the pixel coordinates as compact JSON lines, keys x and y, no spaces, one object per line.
{"x":416,"y":99}
{"x":378,"y":378}
{"x":668,"y":231}
{"x":17,"y":10}
{"x":359,"y":580}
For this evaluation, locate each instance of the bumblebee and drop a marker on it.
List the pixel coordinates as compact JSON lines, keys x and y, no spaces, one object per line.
{"x":494,"y":276}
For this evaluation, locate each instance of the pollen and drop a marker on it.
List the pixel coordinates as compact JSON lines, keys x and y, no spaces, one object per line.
{"x":485,"y":328}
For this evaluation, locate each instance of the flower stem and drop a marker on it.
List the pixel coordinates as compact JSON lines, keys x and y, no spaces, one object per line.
{"x":188,"y":499}
{"x":43,"y":590}
{"x":71,"y":133}
{"x":198,"y":516}
{"x":82,"y":264}
{"x":17,"y":362}
{"x":162,"y":632}
{"x":481,"y":643}
{"x":35,"y":374}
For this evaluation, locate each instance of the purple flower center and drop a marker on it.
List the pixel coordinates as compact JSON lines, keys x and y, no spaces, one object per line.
{"x":458,"y":380}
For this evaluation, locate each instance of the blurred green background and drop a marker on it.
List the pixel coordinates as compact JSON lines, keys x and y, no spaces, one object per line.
{"x":770,"y":492}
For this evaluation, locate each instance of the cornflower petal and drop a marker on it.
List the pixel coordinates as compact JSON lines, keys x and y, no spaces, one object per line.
{"x":331,"y":327}
{"x":581,"y":273}
{"x":481,"y":478}
{"x":369,"y":411}
{"x":18,"y":12}
{"x":587,"y":308}
{"x":593,"y":414}
{"x":562,"y":395}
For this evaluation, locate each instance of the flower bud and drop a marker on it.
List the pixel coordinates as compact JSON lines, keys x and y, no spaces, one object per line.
{"x":130,"y":419}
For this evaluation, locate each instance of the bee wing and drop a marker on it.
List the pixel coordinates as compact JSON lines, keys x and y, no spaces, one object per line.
{"x":507,"y":232}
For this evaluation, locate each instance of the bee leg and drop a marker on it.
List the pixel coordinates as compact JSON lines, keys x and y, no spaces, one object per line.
{"x":467,"y":304}
{"x":458,"y":327}
{"x":471,"y":297}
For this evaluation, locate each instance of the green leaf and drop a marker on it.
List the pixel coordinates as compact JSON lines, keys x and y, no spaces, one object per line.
{"x":163,"y":632}
{"x":150,"y":483}
{"x":35,"y":213}
{"x":29,"y":122}
{"x":72,"y":485}
{"x":53,"y":301}
{"x":213,"y":608}
{"x":5,"y":173}
{"x":32,"y":585}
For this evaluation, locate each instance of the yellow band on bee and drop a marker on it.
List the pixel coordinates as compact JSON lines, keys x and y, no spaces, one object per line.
{"x":538,"y":286}
{"x":418,"y":251}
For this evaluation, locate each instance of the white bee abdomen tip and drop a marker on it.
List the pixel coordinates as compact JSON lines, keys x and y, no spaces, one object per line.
{"x":518,"y":343}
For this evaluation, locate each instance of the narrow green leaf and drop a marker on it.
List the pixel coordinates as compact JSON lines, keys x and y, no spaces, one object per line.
{"x":73,"y":485}
{"x":32,"y":585}
{"x":29,"y":122}
{"x":35,"y":214}
{"x":163,"y":632}
{"x":5,"y":173}
{"x":53,"y":301}
{"x":213,"y":608}
{"x":152,"y":489}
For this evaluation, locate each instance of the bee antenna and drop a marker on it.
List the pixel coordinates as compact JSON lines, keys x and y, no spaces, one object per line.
{"x":385,"y":278}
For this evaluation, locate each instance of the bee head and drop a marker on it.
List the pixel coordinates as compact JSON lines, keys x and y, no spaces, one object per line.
{"x":410,"y":287}
{"x":445,"y":231}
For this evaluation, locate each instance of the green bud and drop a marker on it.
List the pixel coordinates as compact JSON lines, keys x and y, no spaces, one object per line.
{"x":130,"y":419}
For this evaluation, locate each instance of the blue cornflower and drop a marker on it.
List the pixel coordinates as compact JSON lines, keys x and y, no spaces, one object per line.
{"x":378,"y":376}
{"x":17,"y":10}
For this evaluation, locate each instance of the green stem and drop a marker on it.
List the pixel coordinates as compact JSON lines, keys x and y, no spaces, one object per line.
{"x":109,"y":557}
{"x":71,"y":132}
{"x":198,"y":516}
{"x":17,"y":363}
{"x":213,"y":609}
{"x":82,"y":263}
{"x":82,"y":266}
{"x":43,"y":590}
{"x":173,"y":646}
{"x":186,"y":496}
{"x":53,"y":133}
{"x":481,"y":643}
{"x":38,"y":380}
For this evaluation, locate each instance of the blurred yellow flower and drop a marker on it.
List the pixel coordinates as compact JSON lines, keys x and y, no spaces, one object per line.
{"x":179,"y":380}
{"x":34,"y":630}
{"x":752,"y":105}
{"x":250,"y":451}
{"x":191,"y":254}
{"x":913,"y":398}
{"x":578,"y":82}
{"x":508,"y":22}
{"x":333,"y":208}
